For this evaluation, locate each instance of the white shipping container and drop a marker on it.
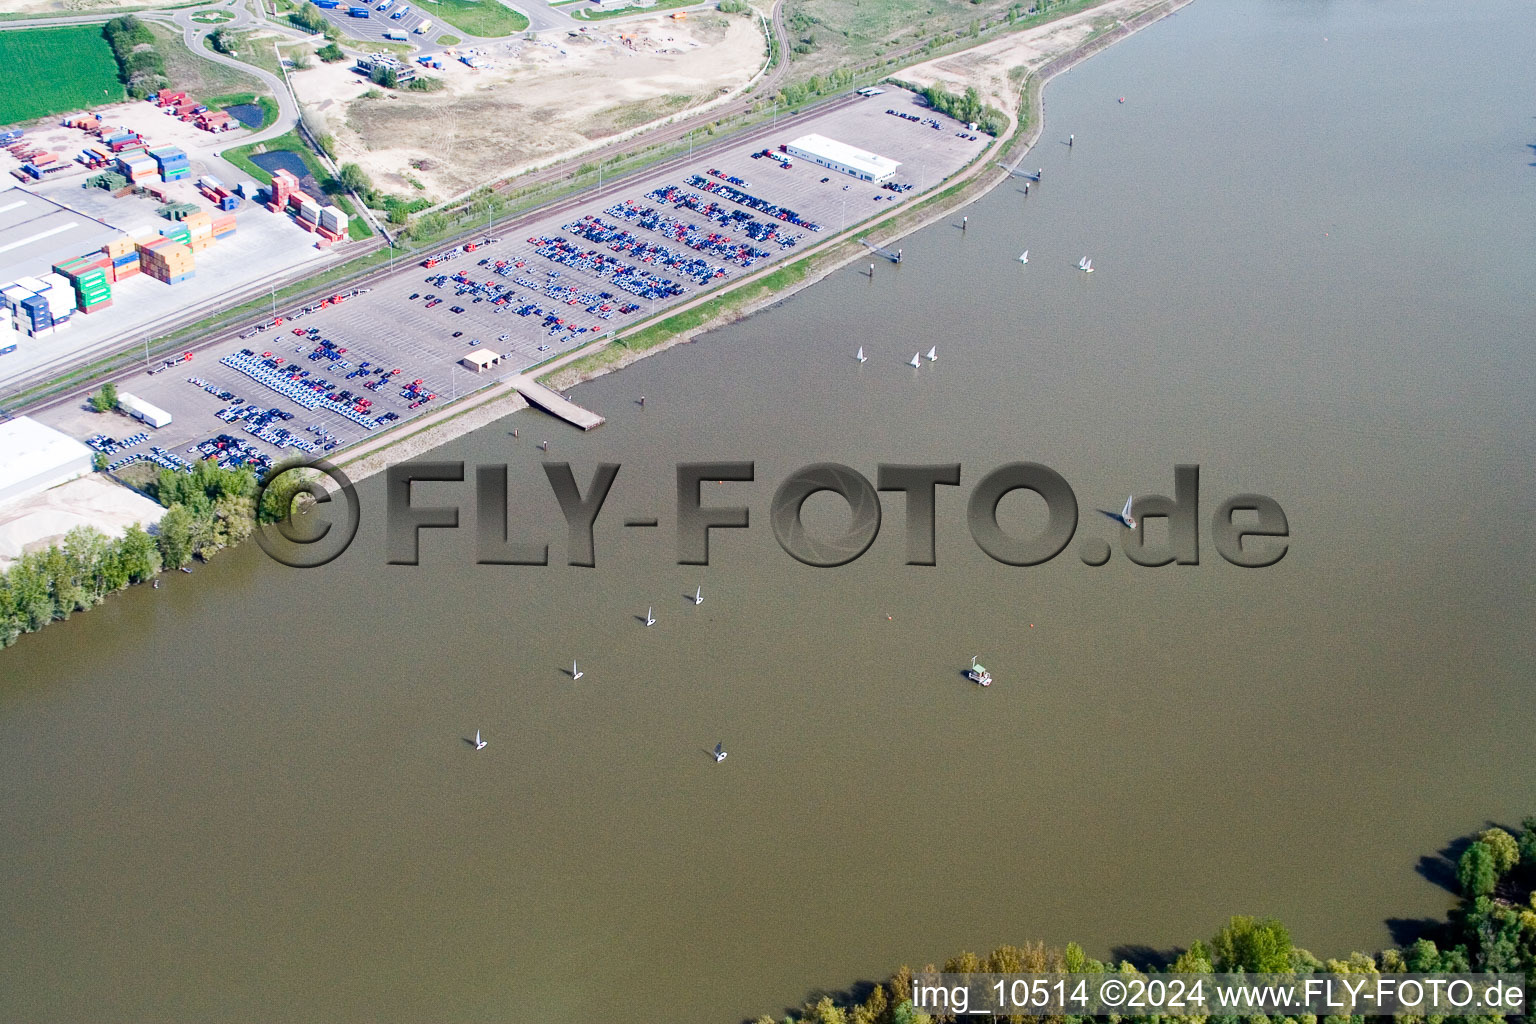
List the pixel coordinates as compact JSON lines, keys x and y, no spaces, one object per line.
{"x":31,"y":284}
{"x":248,"y":189}
{"x":141,"y":410}
{"x":11,"y":296}
{"x":423,"y":28}
{"x":310,"y":211}
{"x":331,"y":217}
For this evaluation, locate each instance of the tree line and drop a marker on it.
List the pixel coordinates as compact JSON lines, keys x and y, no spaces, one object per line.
{"x":206,"y":510}
{"x":1493,"y":930}
{"x":140,"y":67}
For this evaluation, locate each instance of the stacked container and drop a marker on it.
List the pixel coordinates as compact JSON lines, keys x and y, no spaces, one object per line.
{"x":165,"y":260}
{"x":60,"y":294}
{"x":88,"y":275}
{"x":333,"y":223}
{"x":33,"y":317}
{"x":137,"y":166}
{"x":284,"y":186}
{"x":199,"y":226}
{"x":172,"y":162}
{"x":124,"y":258}
{"x":224,"y":227}
{"x":181,"y":233}
{"x":308,"y":214}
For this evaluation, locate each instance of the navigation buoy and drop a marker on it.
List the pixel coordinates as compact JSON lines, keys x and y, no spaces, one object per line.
{"x":1122,"y":99}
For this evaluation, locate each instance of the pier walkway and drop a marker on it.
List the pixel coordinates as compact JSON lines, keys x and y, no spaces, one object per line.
{"x":555,"y":403}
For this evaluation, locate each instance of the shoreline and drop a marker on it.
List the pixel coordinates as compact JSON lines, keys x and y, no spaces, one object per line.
{"x":560,"y":376}
{"x":500,"y":400}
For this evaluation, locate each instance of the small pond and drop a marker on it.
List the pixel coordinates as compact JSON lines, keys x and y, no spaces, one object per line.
{"x":248,"y":114}
{"x":287,"y":160}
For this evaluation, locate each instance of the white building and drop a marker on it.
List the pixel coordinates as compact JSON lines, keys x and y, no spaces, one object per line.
{"x":839,"y":156}
{"x":34,"y":457}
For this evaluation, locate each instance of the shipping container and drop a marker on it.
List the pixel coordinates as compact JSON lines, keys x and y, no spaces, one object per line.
{"x":423,"y":28}
{"x":142,"y":410}
{"x":359,"y":12}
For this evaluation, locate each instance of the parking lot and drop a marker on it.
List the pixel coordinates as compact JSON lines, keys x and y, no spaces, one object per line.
{"x":547,"y":286}
{"x":388,"y":19}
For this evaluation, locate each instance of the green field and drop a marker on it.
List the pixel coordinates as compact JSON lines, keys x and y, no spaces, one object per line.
{"x":54,"y":71}
{"x":477,"y":17}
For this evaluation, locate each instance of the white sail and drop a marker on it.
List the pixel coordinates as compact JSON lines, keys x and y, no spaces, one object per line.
{"x":1126,"y":512}
{"x":1024,"y":256}
{"x":933,"y":353}
{"x":698,"y":596}
{"x":917,"y":360}
{"x":575,"y":672}
{"x":860,"y":356}
{"x":650,"y":619}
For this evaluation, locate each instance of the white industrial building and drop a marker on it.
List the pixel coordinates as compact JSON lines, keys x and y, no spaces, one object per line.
{"x":34,"y":457}
{"x":839,"y":156}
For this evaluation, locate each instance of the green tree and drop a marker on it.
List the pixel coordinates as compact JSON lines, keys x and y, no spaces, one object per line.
{"x":1248,"y":944}
{"x":222,"y":40}
{"x":1528,"y":842}
{"x":354,"y":179}
{"x":330,"y":53}
{"x":105,"y":400}
{"x":309,"y":17}
{"x":99,"y":462}
{"x":1477,"y":871}
{"x":1503,"y":847}
{"x":140,"y":554}
{"x":176,"y":536}
{"x":383,"y":74}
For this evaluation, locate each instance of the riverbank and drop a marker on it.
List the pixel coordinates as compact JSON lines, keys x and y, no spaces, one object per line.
{"x":759,"y":292}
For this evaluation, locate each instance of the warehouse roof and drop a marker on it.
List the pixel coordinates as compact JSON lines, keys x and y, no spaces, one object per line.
{"x":852,"y":156}
{"x":36,"y":233}
{"x":28,"y":448}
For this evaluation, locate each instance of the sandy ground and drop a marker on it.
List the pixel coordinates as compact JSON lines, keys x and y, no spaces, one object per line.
{"x":32,"y":524}
{"x":533,"y":100}
{"x":987,"y":66}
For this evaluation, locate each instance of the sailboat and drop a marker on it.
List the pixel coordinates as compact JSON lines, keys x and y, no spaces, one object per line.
{"x":917,"y":360}
{"x":480,"y":744}
{"x":720,"y":754}
{"x":698,"y":596}
{"x":1123,"y":517}
{"x":650,"y":620}
{"x":576,"y":673}
{"x":860,"y":357}
{"x":1085,"y":264}
{"x":1024,"y":256}
{"x":933,"y":353}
